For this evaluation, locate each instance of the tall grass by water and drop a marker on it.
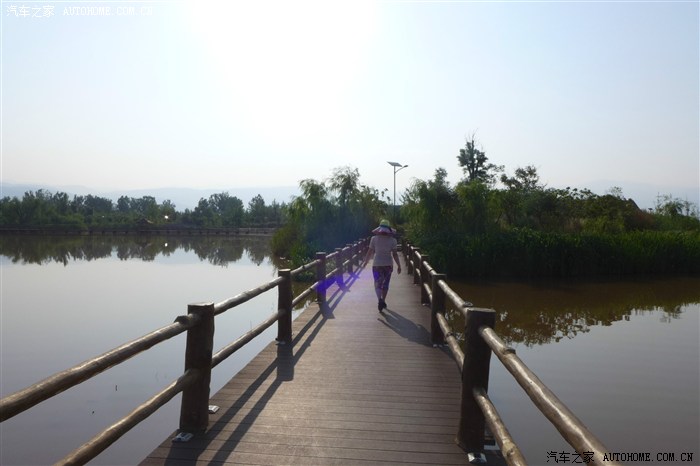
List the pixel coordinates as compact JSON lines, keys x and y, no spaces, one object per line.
{"x":530,"y":253}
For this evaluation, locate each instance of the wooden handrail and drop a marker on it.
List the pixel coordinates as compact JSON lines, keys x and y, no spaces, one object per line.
{"x":304,"y":294}
{"x":104,"y":439}
{"x":475,"y":391}
{"x":451,"y":340}
{"x":200,"y":360}
{"x":304,"y":267}
{"x":246,"y":296}
{"x":24,"y":399}
{"x":509,"y":449}
{"x":455,"y":298}
{"x":566,"y":422}
{"x":244,"y":339}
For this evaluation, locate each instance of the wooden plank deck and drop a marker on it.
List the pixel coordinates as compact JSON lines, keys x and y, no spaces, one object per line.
{"x":356,"y":387}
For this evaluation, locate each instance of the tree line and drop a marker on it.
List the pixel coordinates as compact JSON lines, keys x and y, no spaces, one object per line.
{"x":45,"y":209}
{"x":492,"y":223}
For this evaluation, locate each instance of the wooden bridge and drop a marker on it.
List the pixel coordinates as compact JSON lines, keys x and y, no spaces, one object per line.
{"x":355,"y":387}
{"x":345,"y":385}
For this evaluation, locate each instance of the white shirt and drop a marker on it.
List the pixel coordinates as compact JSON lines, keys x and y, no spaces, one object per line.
{"x":383,"y":246}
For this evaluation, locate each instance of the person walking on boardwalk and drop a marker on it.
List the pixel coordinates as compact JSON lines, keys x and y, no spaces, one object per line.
{"x":383,"y":247}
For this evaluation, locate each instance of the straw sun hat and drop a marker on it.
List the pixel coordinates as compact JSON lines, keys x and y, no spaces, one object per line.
{"x":384,"y":228}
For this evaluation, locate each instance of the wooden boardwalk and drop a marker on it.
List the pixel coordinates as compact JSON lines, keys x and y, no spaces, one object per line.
{"x":356,"y":387}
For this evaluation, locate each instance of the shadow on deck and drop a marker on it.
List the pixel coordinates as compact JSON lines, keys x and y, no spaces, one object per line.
{"x":369,"y":389}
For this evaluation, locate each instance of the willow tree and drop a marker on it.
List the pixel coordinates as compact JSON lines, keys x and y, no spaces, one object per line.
{"x":328,"y":214}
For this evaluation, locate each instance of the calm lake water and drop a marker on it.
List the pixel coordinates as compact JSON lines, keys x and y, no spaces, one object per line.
{"x":65,"y":300}
{"x":623,"y":355}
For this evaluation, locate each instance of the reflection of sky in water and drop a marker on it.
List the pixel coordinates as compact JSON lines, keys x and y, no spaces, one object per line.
{"x":623,"y":355}
{"x":56,"y":316}
{"x":635,"y":384}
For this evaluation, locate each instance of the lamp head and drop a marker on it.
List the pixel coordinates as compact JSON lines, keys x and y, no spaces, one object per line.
{"x":397,"y":166}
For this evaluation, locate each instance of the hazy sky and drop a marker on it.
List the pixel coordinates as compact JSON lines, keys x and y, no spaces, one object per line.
{"x":261,"y":93}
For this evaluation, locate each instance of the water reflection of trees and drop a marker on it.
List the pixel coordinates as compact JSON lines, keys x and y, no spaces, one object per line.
{"x":219,"y":251}
{"x":545,"y":312}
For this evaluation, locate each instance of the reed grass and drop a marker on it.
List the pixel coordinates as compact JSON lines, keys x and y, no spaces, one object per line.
{"x":530,"y":253}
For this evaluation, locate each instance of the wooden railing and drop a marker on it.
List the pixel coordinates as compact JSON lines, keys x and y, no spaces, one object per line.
{"x":480,"y":340}
{"x":199,"y":357}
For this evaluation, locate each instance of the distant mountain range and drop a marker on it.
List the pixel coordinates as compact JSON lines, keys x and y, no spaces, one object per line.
{"x":183,"y":198}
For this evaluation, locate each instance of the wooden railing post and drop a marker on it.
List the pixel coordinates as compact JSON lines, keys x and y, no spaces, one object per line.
{"x":437,"y":305}
{"x":321,"y":277}
{"x":475,"y":373}
{"x":416,"y":265}
{"x":408,"y":256}
{"x":194,"y":409}
{"x":424,"y":278}
{"x":284,"y":302}
{"x":350,"y":250}
{"x":339,"y":267}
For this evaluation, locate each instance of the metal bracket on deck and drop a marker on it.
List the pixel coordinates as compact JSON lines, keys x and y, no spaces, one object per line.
{"x":476,"y":458}
{"x":213,"y":409}
{"x":183,"y":437}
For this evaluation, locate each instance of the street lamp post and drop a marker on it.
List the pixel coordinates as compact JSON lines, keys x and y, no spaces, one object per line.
{"x":397,"y":167}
